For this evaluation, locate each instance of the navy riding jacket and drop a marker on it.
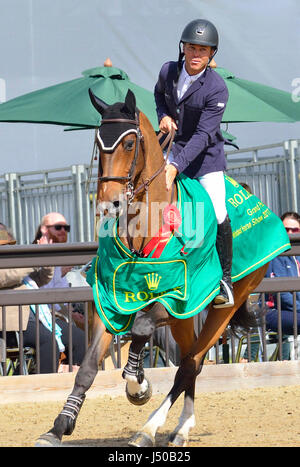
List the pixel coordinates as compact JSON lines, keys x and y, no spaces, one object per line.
{"x":284,"y":266}
{"x":198,"y":145}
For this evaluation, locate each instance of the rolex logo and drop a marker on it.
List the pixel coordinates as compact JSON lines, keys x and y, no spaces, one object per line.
{"x":152,"y":280}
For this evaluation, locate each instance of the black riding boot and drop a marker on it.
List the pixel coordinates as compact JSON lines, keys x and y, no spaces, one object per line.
{"x":224,"y":248}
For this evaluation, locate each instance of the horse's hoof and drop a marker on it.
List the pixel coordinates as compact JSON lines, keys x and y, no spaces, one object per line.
{"x":177,"y":440}
{"x":142,"y":440}
{"x":47,"y":440}
{"x":140,"y":399}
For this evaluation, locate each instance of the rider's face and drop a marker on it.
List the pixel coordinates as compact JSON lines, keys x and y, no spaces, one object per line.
{"x":196,"y":57}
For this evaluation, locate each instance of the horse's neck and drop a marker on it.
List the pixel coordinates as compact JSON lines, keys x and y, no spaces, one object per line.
{"x":145,"y":215}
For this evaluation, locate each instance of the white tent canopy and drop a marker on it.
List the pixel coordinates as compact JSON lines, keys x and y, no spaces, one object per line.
{"x":54,"y":41}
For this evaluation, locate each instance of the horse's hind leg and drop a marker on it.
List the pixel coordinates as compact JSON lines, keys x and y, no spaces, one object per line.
{"x":138,"y":388}
{"x":191,"y":364}
{"x":183,"y":333}
{"x":185,"y":378}
{"x":180,"y":436}
{"x":64,"y":424}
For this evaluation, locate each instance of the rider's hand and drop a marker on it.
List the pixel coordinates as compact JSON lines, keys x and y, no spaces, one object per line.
{"x":166,"y":124}
{"x":171,"y":173}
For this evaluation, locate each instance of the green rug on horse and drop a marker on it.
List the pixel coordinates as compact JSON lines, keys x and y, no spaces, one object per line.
{"x":186,"y":276}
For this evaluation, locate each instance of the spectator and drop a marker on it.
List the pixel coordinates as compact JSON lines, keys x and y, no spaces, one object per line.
{"x":55,"y":228}
{"x":283,"y":266}
{"x":13,"y":279}
{"x":246,"y":187}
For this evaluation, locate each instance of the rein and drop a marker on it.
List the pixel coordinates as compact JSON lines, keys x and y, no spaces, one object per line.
{"x":169,"y":139}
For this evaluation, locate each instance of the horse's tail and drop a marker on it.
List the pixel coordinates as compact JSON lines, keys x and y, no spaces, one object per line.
{"x":246,"y":318}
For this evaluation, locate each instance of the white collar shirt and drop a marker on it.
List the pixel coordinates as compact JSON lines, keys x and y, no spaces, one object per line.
{"x":185,"y":81}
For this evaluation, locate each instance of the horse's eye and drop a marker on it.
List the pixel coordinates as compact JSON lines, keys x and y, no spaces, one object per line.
{"x":128,"y":145}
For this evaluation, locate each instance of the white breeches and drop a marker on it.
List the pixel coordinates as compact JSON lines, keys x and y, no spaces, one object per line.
{"x":214,"y":184}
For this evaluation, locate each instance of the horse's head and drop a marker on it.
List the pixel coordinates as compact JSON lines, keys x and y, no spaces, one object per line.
{"x":118,"y":139}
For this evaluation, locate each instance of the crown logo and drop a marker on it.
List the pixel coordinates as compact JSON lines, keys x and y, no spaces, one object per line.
{"x":152,"y":280}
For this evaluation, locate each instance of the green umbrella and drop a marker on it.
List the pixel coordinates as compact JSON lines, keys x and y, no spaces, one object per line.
{"x":68,"y":103}
{"x":253,"y":102}
{"x":228,"y":136}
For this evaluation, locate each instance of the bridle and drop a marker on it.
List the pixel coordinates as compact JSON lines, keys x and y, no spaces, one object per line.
{"x":131,"y":192}
{"x":139,"y":141}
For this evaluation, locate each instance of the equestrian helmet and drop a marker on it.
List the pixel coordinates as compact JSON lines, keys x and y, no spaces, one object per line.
{"x":201,"y":32}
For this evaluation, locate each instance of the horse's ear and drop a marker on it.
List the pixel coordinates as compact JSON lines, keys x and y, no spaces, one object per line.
{"x":130,"y":102}
{"x":99,"y":105}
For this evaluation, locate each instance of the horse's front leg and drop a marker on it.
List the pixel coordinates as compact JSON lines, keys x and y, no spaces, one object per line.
{"x":138,"y":387}
{"x":185,"y":336}
{"x":64,"y":424}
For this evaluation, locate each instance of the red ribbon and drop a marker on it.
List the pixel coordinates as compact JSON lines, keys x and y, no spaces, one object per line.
{"x":172,"y":221}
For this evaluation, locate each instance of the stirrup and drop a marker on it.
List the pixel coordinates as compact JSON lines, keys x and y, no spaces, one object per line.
{"x":225,"y":298}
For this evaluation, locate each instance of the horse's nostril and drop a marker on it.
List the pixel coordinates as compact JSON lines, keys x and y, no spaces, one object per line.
{"x":116,"y":204}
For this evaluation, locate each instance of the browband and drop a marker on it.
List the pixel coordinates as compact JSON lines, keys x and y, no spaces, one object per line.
{"x":119,"y":120}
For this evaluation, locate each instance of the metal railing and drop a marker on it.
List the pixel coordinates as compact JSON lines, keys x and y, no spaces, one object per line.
{"x":80,"y":253}
{"x":37,"y":297}
{"x":26,"y":197}
{"x":272,"y":178}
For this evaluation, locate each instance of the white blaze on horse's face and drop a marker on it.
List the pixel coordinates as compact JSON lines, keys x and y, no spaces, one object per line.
{"x":111,"y":208}
{"x":112,"y":192}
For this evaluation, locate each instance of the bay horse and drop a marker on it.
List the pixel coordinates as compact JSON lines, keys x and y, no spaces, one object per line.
{"x":131,"y":166}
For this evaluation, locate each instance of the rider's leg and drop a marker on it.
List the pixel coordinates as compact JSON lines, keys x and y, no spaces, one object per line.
{"x":214,"y":184}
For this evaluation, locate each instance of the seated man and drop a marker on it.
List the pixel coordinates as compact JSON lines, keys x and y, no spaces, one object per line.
{"x":283,"y":266}
{"x":55,"y":228}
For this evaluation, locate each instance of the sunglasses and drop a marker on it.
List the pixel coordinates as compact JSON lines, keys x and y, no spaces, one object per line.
{"x":292,"y":229}
{"x":60,"y":226}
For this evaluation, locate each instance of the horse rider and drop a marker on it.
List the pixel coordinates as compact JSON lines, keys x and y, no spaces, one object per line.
{"x":191,"y":98}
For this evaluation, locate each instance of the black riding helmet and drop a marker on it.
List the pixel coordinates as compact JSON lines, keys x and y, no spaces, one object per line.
{"x":201,"y":32}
